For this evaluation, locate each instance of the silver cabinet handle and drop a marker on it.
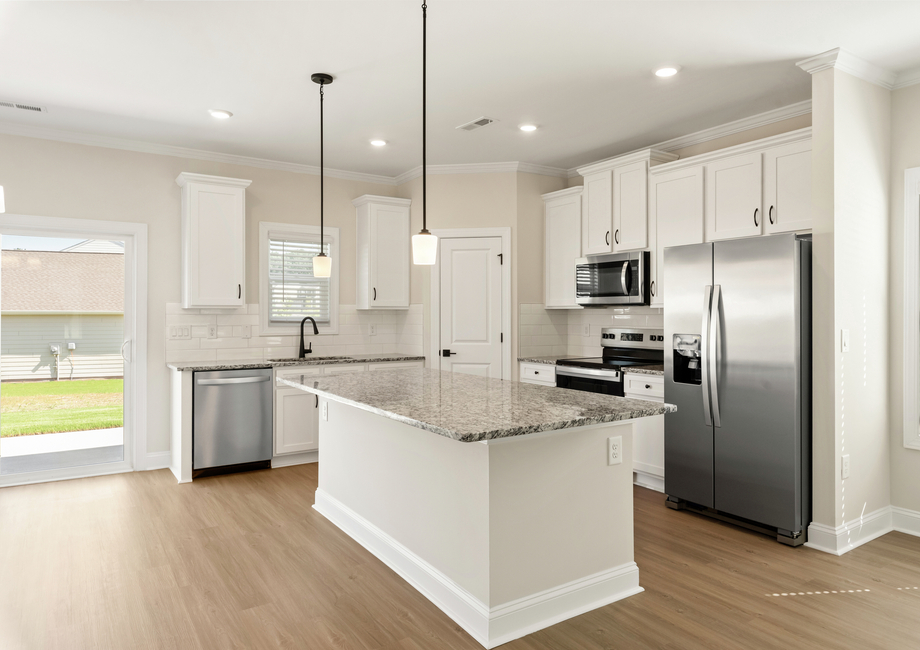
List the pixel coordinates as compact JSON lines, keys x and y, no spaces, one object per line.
{"x":126,"y":360}
{"x":714,"y":354}
{"x":771,"y":215}
{"x":232,"y":380}
{"x":607,"y":238}
{"x":704,"y":352}
{"x":756,"y":210}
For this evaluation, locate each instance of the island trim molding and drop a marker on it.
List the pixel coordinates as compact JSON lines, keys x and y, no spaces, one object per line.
{"x":494,"y":626}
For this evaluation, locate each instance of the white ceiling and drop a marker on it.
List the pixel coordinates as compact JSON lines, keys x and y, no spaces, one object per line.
{"x":580,"y":70}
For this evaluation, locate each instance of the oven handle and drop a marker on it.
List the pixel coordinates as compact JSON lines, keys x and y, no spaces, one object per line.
{"x":587,"y":373}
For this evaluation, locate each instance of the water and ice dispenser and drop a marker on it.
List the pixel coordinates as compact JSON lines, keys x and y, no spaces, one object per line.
{"x":687,"y":359}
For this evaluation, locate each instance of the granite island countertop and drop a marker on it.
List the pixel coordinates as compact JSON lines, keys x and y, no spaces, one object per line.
{"x":318,"y":360}
{"x":468,"y":408}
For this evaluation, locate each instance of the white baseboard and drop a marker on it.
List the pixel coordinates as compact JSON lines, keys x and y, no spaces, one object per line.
{"x":851,"y":534}
{"x":158,"y":460}
{"x":489,"y":627}
{"x":295,"y":459}
{"x":905,"y":521}
{"x":650,"y":481}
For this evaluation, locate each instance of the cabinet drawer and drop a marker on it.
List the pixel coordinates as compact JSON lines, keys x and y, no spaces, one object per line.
{"x":343,"y":370}
{"x":538,"y":372}
{"x":644,"y":387}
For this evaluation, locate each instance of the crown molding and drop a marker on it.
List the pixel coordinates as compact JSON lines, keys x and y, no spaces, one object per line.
{"x":569,"y":191}
{"x":185,"y":178}
{"x":384,"y":200}
{"x":841,"y":59}
{"x":138,"y":146}
{"x":650,"y":155}
{"x":905,"y":79}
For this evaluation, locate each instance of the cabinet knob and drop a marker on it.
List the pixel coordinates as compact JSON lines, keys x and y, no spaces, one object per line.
{"x":648,"y":386}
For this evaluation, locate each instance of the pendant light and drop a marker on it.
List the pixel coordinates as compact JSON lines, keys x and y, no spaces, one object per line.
{"x":424,"y":244}
{"x":322,"y":263}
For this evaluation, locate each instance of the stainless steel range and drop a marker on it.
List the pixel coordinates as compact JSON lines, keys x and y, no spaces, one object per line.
{"x":622,"y":349}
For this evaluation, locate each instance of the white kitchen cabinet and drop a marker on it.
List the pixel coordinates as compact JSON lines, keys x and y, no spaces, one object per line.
{"x":395,"y":365}
{"x":344,"y":369}
{"x":562,"y":235}
{"x":734,"y":202}
{"x":787,"y":188}
{"x":383,"y":242}
{"x":675,"y":219}
{"x":543,"y":374}
{"x":296,"y":421}
{"x":213,"y":240}
{"x":630,"y":207}
{"x":597,"y":218}
{"x":648,"y":433}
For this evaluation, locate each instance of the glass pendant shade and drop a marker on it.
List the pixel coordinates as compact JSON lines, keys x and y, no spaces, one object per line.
{"x":322,"y":266}
{"x":424,"y":248}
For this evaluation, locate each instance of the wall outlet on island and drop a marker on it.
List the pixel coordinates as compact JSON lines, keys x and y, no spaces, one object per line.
{"x":615,"y":450}
{"x":325,"y":411}
{"x":845,"y":466}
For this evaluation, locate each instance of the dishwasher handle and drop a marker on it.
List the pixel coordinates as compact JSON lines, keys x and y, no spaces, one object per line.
{"x":232,"y":380}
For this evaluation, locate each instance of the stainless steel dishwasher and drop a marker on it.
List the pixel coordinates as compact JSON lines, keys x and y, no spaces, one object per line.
{"x":231,"y":421}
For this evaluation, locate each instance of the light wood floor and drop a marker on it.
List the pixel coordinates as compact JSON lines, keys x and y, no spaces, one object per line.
{"x":243,"y":561}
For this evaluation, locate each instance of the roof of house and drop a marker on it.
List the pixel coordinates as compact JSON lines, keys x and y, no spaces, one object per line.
{"x":35,"y":281}
{"x":96,"y":246}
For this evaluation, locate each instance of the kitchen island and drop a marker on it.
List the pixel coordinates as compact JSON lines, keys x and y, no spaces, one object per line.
{"x":493,"y":498}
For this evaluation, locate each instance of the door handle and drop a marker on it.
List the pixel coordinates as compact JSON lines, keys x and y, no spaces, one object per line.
{"x":704,"y":353}
{"x":447,"y":353}
{"x":126,"y":360}
{"x":771,"y":215}
{"x":756,"y":210}
{"x":714,"y":354}
{"x":607,"y":238}
{"x":375,"y":293}
{"x":231,"y":380}
{"x":616,"y":236}
{"x":624,"y":279}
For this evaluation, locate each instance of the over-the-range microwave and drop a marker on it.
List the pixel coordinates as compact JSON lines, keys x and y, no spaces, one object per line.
{"x":612,"y":279}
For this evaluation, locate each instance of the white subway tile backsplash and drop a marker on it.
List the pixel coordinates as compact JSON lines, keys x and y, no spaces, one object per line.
{"x":224,"y":331}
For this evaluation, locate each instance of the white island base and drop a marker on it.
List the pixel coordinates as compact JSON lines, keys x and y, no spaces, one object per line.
{"x":506,"y":536}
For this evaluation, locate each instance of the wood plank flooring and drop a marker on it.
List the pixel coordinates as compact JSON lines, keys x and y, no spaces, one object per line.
{"x":243,"y":561}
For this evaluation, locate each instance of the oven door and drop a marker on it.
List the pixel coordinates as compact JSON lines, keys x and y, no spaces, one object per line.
{"x":615,"y":279}
{"x":607,"y":382}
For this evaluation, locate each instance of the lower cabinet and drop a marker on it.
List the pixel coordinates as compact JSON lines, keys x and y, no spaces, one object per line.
{"x":542,"y":374}
{"x":648,"y":433}
{"x":296,"y":421}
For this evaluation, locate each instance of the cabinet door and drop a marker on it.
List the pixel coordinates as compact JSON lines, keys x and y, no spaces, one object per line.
{"x":562,"y":234}
{"x":389,"y":251}
{"x":676,"y":214}
{"x":733,"y":197}
{"x":597,"y":220}
{"x":217,"y":241}
{"x":648,"y":446}
{"x":630,"y":207}
{"x":787,"y":187}
{"x":296,"y":421}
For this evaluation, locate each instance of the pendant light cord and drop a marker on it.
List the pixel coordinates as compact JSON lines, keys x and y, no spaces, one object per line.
{"x":321,"y":168}
{"x":424,"y":116}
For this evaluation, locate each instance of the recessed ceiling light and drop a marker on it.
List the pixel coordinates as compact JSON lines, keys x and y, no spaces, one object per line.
{"x":528,"y":127}
{"x":667,"y":71}
{"x":378,"y":143}
{"x":220,"y":114}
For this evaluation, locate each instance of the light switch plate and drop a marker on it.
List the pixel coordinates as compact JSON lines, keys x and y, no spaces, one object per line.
{"x":247,"y":331}
{"x":586,"y":330}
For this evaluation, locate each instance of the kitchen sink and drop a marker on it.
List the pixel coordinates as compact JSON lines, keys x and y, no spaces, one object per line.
{"x":310,"y":357}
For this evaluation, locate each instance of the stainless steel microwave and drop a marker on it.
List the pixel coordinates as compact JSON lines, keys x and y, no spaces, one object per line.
{"x":612,"y":279}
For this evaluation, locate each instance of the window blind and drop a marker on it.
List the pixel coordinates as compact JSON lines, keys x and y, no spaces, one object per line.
{"x":293,"y":291}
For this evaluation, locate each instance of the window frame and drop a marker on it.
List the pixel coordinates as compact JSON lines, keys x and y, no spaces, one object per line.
{"x":911,"y":333}
{"x":267,"y":230}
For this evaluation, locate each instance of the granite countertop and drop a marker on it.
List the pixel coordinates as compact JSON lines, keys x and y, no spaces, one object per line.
{"x":646,"y":370}
{"x":550,"y":361}
{"x":468,"y":408}
{"x":318,"y":360}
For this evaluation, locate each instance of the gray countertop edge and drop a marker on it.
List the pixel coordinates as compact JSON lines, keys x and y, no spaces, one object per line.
{"x":498,"y":434}
{"x":200,"y":366}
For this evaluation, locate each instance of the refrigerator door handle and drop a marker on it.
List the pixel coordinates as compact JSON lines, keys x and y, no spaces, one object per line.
{"x":704,"y":352}
{"x":714,"y":347}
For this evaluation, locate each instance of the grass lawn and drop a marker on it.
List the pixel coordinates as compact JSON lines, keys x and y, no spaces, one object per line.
{"x":35,"y":407}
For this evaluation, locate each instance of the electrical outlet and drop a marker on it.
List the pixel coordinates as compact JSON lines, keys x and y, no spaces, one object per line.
{"x":845,"y":466}
{"x":586,"y":330}
{"x":372,"y":330}
{"x":844,"y":340}
{"x":212,"y":331}
{"x":615,"y":450}
{"x":325,"y":411}
{"x":247,"y":331}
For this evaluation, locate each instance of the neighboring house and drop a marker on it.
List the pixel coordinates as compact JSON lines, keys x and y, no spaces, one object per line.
{"x":59,"y":298}
{"x":96,"y":246}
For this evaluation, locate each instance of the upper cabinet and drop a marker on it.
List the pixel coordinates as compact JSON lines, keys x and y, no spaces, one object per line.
{"x":615,"y":201}
{"x":787,"y":187}
{"x":382,"y":252}
{"x":562,"y":234}
{"x":734,"y":205}
{"x":213,"y":240}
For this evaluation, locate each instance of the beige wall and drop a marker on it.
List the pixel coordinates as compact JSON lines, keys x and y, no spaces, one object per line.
{"x":742,"y":137}
{"x":55,"y":179}
{"x":905,"y":154}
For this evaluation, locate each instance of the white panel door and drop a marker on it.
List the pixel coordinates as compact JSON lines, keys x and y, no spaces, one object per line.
{"x":471,"y":305}
{"x":218,"y":241}
{"x":734,"y":205}
{"x":630,"y":207}
{"x":598,"y":219}
{"x":787,"y":188}
{"x":296,"y":421}
{"x":389,"y":242}
{"x":676,"y":214}
{"x":562,"y":232}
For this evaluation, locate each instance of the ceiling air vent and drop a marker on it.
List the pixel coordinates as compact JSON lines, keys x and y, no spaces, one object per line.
{"x":478,"y":123}
{"x":24,"y":107}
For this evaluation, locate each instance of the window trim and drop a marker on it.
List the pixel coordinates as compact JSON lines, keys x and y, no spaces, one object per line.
{"x":911,"y":333}
{"x":268,"y":229}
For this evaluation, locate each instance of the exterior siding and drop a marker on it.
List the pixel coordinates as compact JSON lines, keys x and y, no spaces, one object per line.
{"x":25,"y":353}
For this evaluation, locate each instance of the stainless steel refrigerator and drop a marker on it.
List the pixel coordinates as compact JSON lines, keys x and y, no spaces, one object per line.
{"x":737,"y":323}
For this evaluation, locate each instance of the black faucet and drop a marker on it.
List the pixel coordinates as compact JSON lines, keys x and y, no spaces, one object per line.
{"x":305,"y":351}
